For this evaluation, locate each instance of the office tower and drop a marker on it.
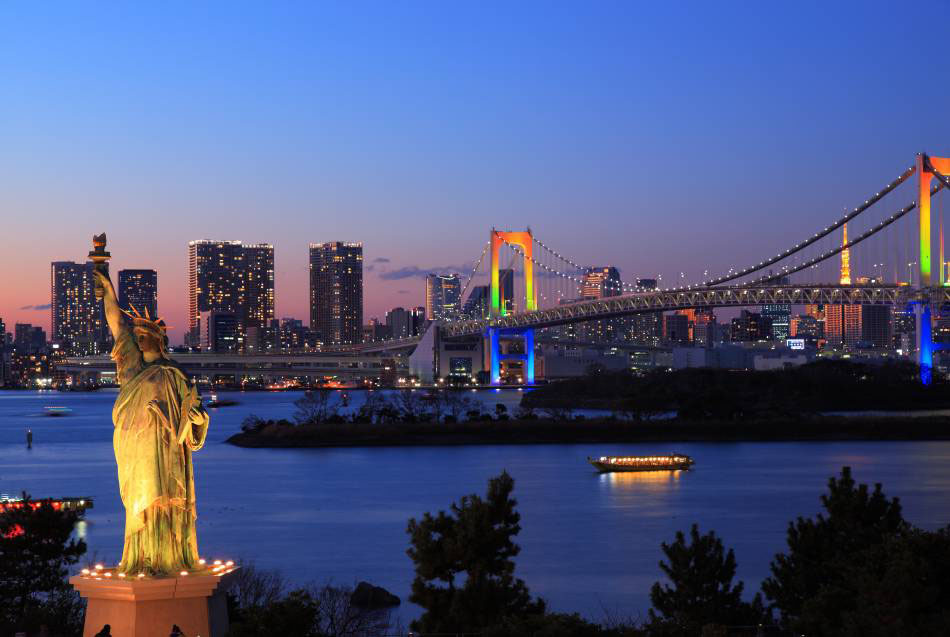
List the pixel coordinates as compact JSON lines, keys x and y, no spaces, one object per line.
{"x":876,"y":326}
{"x":842,"y":325}
{"x":478,"y":303}
{"x":418,"y":316}
{"x":399,"y":322}
{"x":231,"y":278}
{"x":807,"y":328}
{"x":336,"y":292}
{"x":904,"y":329}
{"x":600,"y":282}
{"x":4,"y":355}
{"x":28,"y":339}
{"x":139,"y":289}
{"x":676,"y":329}
{"x":220,"y":332}
{"x":705,"y":328}
{"x":751,"y":327}
{"x":646,"y":328}
{"x":443,"y":292}
{"x":780,"y":316}
{"x":77,"y":317}
{"x":376,"y":330}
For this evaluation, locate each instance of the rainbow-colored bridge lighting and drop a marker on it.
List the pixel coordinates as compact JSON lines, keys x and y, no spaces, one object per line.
{"x":942,"y":165}
{"x":523,"y":240}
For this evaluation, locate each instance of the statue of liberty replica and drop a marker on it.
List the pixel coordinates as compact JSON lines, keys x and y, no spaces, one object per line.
{"x":158,"y":421}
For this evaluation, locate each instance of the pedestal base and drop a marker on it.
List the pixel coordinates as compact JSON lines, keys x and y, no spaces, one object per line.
{"x":148,"y":607}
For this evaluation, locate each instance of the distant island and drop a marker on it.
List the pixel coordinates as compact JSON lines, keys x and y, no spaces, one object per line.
{"x":701,"y":394}
{"x":684,"y":405}
{"x":285,"y":434}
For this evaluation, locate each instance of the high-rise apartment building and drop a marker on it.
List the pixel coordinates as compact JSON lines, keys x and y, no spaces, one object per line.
{"x":258,"y":299}
{"x":139,"y":289}
{"x":77,"y":317}
{"x":336,"y":292}
{"x":443,"y":296}
{"x":230,"y":277}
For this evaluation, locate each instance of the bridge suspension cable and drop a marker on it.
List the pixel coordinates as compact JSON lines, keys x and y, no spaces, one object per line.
{"x":818,"y":235}
{"x":869,"y":233}
{"x":471,"y":275}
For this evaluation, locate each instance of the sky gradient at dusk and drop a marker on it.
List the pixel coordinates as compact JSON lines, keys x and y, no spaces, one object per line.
{"x":651,"y":137}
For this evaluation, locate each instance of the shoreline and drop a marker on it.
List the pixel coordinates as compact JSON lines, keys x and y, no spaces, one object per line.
{"x":593,"y":431}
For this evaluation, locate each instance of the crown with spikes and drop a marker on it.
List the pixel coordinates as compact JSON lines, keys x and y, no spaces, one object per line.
{"x":155,"y":326}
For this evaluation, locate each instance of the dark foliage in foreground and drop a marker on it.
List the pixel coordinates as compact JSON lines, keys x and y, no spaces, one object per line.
{"x":698,"y":393}
{"x":260,"y":604}
{"x":861,"y":569}
{"x":701,"y":591}
{"x":36,"y":551}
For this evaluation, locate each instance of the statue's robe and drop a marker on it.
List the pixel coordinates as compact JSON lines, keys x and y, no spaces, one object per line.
{"x":153,"y":441}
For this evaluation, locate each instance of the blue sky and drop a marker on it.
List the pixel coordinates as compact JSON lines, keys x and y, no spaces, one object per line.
{"x":656,"y":137}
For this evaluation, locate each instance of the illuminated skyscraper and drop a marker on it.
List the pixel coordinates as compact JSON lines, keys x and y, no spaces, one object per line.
{"x":230,"y":278}
{"x":78,"y":321}
{"x":336,"y":292}
{"x":139,"y":289}
{"x":443,"y":296}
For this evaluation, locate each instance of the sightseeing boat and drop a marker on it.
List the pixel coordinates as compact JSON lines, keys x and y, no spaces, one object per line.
{"x":641,"y":463}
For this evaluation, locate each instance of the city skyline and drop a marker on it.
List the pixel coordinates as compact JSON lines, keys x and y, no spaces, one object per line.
{"x":525,"y":119}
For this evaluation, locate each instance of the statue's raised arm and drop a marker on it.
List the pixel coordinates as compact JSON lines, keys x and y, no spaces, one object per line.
{"x":110,"y":302}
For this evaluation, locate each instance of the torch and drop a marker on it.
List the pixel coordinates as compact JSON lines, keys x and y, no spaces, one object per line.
{"x":100,"y":259}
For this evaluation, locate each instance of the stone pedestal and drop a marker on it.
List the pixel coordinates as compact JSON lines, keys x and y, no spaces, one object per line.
{"x":148,"y":607}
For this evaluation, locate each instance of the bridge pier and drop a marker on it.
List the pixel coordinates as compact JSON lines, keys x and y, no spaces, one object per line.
{"x":494,"y":336}
{"x":925,"y":344}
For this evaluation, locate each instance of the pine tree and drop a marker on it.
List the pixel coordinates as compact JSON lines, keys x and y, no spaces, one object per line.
{"x":475,"y":538}
{"x":811,"y":584}
{"x":701,"y":591}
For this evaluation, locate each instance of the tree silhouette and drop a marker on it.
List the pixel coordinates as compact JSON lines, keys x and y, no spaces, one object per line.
{"x":812,"y":584}
{"x":701,"y":591}
{"x":475,"y":539}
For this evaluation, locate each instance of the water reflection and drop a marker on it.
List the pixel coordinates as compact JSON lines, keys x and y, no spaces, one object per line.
{"x":640,"y":480}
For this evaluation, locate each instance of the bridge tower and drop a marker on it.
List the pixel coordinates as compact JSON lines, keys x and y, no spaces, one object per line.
{"x":499,"y":306}
{"x":929,"y":278}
